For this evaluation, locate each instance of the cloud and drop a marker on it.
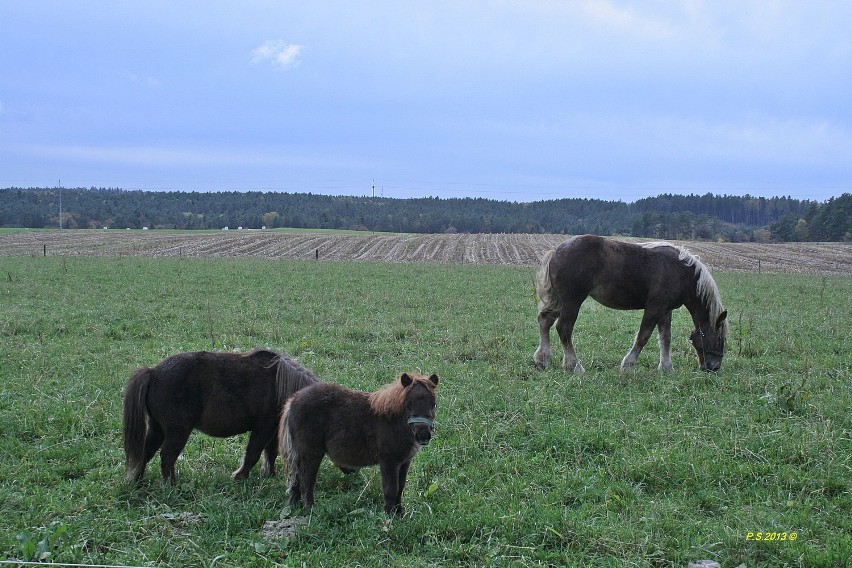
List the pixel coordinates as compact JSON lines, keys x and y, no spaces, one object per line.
{"x":279,"y":52}
{"x":147,"y":81}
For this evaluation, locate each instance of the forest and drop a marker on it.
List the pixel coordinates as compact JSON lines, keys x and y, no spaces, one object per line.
{"x":686,"y":217}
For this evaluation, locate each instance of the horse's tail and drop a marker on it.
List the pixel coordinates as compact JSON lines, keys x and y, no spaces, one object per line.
{"x":547,"y":300}
{"x":135,"y":428}
{"x":285,"y":444}
{"x":290,"y":377}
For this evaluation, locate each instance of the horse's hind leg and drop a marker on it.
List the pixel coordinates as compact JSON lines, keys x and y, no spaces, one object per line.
{"x":172,"y":447}
{"x":543,"y":353}
{"x":565,"y":329}
{"x":306,"y":481}
{"x":257,"y":442}
{"x":664,"y":332}
{"x":153,"y":440}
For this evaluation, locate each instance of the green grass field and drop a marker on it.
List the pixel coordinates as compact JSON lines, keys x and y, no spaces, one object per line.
{"x":528,"y":468}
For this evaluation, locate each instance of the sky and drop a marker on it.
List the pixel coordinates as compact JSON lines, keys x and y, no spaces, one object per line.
{"x":511,"y":100}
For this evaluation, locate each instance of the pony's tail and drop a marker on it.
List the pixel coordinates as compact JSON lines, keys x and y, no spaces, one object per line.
{"x":290,"y":377}
{"x":547,"y":300}
{"x":289,"y":454}
{"x":135,"y":428}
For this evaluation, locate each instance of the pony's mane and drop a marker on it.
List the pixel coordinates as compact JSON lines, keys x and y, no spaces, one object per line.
{"x":290,"y":376}
{"x":706,"y":287}
{"x":390,"y":399}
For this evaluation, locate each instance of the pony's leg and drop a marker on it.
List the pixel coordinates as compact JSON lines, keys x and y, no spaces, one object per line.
{"x":403,"y":475}
{"x":543,"y":353}
{"x":295,"y":489}
{"x":649,"y":322}
{"x":307,"y":477}
{"x":664,"y":333}
{"x":390,"y":487}
{"x":270,"y":452}
{"x":153,"y":440}
{"x":258,"y":440}
{"x":172,"y":447}
{"x":565,"y":329}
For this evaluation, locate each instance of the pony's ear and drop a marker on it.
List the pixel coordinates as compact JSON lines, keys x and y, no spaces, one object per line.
{"x":722,"y":317}
{"x":433,"y":378}
{"x":405,"y":380}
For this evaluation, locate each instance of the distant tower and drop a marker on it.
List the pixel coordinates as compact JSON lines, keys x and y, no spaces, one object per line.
{"x":374,"y":188}
{"x":60,"y":205}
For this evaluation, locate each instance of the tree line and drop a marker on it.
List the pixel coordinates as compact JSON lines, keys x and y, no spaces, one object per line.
{"x":687,"y":217}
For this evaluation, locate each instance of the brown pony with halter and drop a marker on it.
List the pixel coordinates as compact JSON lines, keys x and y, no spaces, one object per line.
{"x":657,"y":277}
{"x":221,"y":394}
{"x":356,"y":429}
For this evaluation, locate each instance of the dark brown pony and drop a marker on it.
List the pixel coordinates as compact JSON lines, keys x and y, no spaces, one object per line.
{"x":656,"y":277}
{"x":221,"y":394}
{"x":357,"y":429}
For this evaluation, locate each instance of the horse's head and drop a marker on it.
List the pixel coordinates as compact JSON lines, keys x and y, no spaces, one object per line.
{"x":420,"y":405}
{"x":709,"y":343}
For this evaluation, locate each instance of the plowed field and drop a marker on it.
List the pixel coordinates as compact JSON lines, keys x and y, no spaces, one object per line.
{"x":505,"y":249}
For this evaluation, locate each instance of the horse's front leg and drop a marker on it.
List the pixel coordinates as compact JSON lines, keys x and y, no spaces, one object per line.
{"x":649,"y":321}
{"x":270,"y":452}
{"x":391,"y":487}
{"x":403,"y":475}
{"x":258,"y":440}
{"x":664,"y":333}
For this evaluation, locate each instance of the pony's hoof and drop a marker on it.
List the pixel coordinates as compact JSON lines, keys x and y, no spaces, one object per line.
{"x":239,"y":475}
{"x":396,"y":511}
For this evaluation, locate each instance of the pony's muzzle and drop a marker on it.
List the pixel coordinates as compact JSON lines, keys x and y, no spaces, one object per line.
{"x":421,"y":427}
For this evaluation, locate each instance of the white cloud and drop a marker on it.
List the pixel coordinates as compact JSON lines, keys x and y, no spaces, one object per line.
{"x":147,"y":81}
{"x":279,"y":52}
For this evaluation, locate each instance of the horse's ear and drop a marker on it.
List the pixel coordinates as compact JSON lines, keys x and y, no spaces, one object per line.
{"x":433,"y":378}
{"x":405,"y":380}
{"x":722,"y":317}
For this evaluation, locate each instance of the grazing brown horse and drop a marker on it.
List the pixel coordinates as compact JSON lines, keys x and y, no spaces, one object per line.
{"x":357,"y":429}
{"x":221,"y":394}
{"x":656,"y":277}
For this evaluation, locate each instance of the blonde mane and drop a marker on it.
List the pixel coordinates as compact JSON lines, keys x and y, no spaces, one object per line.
{"x":390,"y":399}
{"x":706,"y":287}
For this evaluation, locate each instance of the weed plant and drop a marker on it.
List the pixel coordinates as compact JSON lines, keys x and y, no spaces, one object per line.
{"x":529,"y":468}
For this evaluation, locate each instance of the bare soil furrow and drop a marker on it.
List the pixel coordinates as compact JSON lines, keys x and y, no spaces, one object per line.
{"x":497,"y":249}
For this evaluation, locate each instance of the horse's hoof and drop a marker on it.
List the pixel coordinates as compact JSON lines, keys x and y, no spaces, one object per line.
{"x":396,"y":511}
